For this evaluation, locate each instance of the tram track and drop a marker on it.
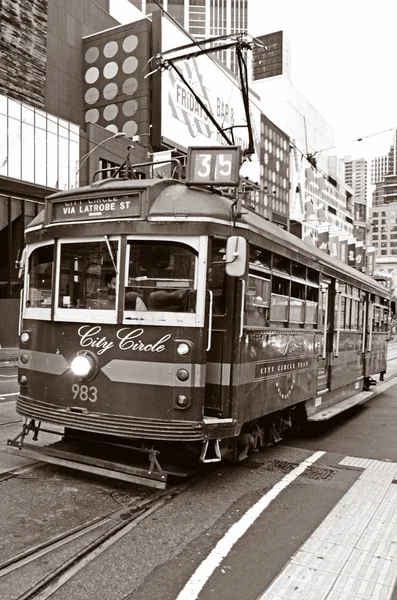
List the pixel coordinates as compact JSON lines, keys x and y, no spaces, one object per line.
{"x":120,"y":522}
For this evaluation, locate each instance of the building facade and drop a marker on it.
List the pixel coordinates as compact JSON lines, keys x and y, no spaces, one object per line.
{"x":383,"y":213}
{"x":42,"y":135}
{"x":356,"y":178}
{"x":204,"y":19}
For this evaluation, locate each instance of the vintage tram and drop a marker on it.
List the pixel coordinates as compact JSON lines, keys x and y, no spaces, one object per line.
{"x":153,"y":315}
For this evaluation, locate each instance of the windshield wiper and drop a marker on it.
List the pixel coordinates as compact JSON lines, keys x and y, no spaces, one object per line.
{"x":111,"y":253}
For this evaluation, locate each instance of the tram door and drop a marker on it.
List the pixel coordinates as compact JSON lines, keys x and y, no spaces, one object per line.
{"x":220,"y":333}
{"x":323,"y":372}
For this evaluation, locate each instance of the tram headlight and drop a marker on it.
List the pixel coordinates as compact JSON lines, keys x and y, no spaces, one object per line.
{"x":25,"y":337}
{"x":82,"y":366}
{"x":182,"y":374}
{"x":24,"y":358}
{"x":183,"y":349}
{"x":182,"y":401}
{"x":23,"y":380}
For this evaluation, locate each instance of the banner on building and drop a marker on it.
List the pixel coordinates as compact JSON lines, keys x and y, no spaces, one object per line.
{"x":334,"y":246}
{"x":359,"y":255}
{"x":343,"y":251}
{"x":370,"y":263}
{"x":323,"y":241}
{"x":351,"y":253}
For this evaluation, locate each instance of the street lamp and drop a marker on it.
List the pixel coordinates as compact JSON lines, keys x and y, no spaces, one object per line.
{"x":86,"y":156}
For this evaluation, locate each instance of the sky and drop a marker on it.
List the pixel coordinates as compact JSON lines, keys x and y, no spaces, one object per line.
{"x":343,"y":60}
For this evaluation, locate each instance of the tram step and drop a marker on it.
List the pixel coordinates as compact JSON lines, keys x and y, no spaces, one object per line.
{"x":89,"y":464}
{"x":332,"y":411}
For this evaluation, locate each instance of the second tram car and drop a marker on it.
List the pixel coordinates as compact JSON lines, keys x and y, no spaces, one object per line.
{"x":151,"y":315}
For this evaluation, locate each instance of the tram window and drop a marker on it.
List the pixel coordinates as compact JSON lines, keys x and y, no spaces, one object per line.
{"x":313,"y":276}
{"x":279,"y":310}
{"x":298,"y":270}
{"x":162,"y":275}
{"x":217,"y":281}
{"x":87,"y":275}
{"x":40,"y":277}
{"x":348,"y":303}
{"x":260,"y":259}
{"x":279,"y":301}
{"x":354,"y":322}
{"x":297,"y":303}
{"x":281,"y":264}
{"x":376,"y":318}
{"x":311,"y":306}
{"x":257,"y":301}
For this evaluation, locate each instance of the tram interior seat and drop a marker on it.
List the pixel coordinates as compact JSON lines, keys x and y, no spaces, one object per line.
{"x":130,"y":300}
{"x":181,"y":300}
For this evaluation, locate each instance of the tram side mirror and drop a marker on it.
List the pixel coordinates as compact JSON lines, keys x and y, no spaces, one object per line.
{"x":236,"y":256}
{"x":20,"y":263}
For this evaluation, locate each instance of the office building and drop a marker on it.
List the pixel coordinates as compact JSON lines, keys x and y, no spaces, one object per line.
{"x":204,"y":18}
{"x":383,"y":213}
{"x":356,"y":178}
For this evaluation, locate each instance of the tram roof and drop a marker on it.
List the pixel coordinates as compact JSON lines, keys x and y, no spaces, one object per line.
{"x":170,"y":197}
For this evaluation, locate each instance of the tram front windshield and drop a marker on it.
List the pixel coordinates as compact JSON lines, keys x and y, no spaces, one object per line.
{"x":158,"y":276}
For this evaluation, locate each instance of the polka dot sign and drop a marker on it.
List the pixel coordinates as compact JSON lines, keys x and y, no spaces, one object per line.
{"x":116,"y":96}
{"x":274,"y":161}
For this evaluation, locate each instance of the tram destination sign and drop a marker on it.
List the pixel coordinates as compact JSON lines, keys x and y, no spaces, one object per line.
{"x":89,"y":208}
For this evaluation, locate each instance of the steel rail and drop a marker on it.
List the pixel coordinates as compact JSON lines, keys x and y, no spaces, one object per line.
{"x":128,"y":517}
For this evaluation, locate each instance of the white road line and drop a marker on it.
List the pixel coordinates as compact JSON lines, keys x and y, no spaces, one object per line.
{"x":223,"y":547}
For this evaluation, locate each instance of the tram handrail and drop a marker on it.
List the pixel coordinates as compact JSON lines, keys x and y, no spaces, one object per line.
{"x":364,"y":327}
{"x":325,"y":292}
{"x":152,"y":164}
{"x":336,"y":353}
{"x":210,"y":321}
{"x":242,"y":309}
{"x":370,"y":325}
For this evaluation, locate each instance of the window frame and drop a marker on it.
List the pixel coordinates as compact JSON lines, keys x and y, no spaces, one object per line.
{"x":38,"y":313}
{"x":74,"y":315}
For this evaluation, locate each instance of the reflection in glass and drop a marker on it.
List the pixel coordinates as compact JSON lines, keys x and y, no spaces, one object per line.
{"x":24,"y":145}
{"x":63,"y":146}
{"x":161,"y":277}
{"x":14,"y":148}
{"x":27,"y":152}
{"x":40,"y":157}
{"x":3,"y":145}
{"x":52,"y":160}
{"x":88,"y":276}
{"x":40,"y":277}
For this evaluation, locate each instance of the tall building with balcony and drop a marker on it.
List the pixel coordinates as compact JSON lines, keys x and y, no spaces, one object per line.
{"x":383,"y":213}
{"x":356,"y":178}
{"x":379,"y":166}
{"x":384,"y":176}
{"x":204,"y":18}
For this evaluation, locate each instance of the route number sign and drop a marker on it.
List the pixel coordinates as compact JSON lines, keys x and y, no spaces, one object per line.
{"x":213,"y":165}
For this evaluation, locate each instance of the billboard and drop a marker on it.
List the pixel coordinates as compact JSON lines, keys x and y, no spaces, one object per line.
{"x":184,"y":123}
{"x":116,"y":93}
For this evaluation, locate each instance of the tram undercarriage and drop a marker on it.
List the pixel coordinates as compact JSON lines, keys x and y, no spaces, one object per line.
{"x":138,"y":461}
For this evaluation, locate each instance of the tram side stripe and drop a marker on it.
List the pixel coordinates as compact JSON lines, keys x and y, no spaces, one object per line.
{"x":224,"y":546}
